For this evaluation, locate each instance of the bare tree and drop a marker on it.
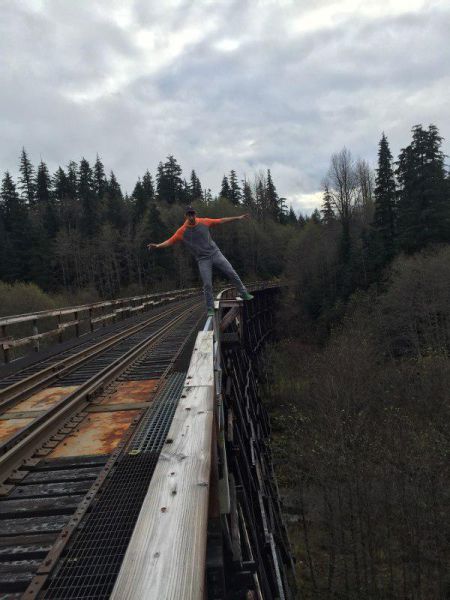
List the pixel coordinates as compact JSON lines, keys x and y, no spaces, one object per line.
{"x":343,"y":184}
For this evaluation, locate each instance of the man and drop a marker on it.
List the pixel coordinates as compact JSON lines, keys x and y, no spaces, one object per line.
{"x":195,"y":234}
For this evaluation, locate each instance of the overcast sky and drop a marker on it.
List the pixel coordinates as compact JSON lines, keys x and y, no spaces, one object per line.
{"x":221,"y":84}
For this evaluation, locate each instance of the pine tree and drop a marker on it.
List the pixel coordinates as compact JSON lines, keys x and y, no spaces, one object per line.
{"x":235,"y":194}
{"x":195,"y":188}
{"x":225,"y":191}
{"x":328,"y":215}
{"x":60,"y":185}
{"x":115,"y":206}
{"x":271,"y":198}
{"x":46,"y":201}
{"x":148,"y":187}
{"x":315,"y":217}
{"x":169,"y":182}
{"x":72,"y":180}
{"x":17,"y":231}
{"x":247,"y":197}
{"x":139,"y":200}
{"x":384,"y":217}
{"x":423,"y":204}
{"x":291,"y":217}
{"x":26,"y":179}
{"x":99,"y":183}
{"x":90,"y":203}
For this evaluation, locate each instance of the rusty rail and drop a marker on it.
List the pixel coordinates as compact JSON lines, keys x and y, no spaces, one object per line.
{"x":42,"y":427}
{"x":17,"y":391}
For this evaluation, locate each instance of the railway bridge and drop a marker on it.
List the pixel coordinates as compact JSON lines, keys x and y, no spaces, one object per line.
{"x":134,"y":452}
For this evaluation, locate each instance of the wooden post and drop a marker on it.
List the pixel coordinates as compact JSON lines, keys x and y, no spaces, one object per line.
{"x":165,"y":558}
{"x":35,"y":332}
{"x":5,"y":348}
{"x":91,"y":324}
{"x":77,"y":324}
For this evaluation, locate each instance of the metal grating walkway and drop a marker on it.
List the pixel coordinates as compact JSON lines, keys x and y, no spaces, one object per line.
{"x":91,"y":565}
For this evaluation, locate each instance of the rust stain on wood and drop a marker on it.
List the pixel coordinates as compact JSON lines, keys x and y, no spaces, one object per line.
{"x":43,"y":399}
{"x":98,"y":433}
{"x":132,"y":392}
{"x":11,"y":426}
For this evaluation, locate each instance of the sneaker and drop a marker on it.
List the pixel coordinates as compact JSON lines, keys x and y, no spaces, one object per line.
{"x":210,"y":312}
{"x":247,"y":296}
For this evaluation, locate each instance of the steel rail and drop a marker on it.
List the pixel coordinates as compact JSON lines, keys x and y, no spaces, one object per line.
{"x":65,"y":535}
{"x":17,"y":391}
{"x":39,"y":430}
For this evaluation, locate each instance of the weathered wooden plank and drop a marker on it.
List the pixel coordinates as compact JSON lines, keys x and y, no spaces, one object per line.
{"x":62,"y":488}
{"x":61,"y":475}
{"x":24,"y":552}
{"x":201,"y":368}
{"x":166,"y":554}
{"x":34,"y":525}
{"x":59,"y":505}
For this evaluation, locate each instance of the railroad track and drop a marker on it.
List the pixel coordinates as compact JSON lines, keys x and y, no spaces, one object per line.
{"x":73,"y":418}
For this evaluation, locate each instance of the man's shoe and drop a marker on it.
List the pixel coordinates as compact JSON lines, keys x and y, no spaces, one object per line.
{"x":210,"y":312}
{"x":247,"y":296}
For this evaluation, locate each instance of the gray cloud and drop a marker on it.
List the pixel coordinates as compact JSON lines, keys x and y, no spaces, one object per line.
{"x":221,"y":85}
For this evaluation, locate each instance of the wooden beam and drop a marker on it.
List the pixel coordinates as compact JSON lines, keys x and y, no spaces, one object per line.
{"x":166,"y":555}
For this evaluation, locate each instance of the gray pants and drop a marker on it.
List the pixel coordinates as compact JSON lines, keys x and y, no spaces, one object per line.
{"x":205,"y":266}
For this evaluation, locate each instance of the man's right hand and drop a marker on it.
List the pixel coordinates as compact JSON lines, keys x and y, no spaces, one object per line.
{"x":150,"y":246}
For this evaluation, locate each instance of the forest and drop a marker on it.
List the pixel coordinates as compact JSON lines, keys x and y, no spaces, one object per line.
{"x":357,"y":381}
{"x":76,"y":232}
{"x":359,"y":388}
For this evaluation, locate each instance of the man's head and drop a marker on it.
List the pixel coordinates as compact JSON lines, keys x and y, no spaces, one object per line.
{"x":190,"y":215}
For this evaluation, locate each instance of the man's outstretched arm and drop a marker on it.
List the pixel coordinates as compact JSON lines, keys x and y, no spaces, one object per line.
{"x":214,"y":222}
{"x":239,"y":218}
{"x":177,"y":237}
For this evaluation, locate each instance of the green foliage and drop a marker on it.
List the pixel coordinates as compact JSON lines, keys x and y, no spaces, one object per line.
{"x":17,"y":298}
{"x":384,"y":224}
{"x":423,"y":203}
{"x":83,"y":233}
{"x":362,"y":441}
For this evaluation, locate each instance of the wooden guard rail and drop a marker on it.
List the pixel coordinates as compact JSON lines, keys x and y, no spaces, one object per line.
{"x":165,"y":559}
{"x":85,"y":316}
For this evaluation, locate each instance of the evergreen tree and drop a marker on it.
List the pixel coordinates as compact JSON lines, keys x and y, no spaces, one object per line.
{"x":140,"y":203}
{"x":148,"y":187}
{"x":328,"y":215}
{"x":90,"y":203}
{"x":315,"y":217}
{"x":195,"y":188}
{"x":271,"y":198}
{"x":225,"y":191}
{"x":72,"y":180}
{"x":17,"y":231}
{"x":45,"y":200}
{"x":247,"y":197}
{"x":384,"y":217}
{"x":100,"y":183}
{"x":291,"y":217}
{"x":60,"y":185}
{"x":423,"y":203}
{"x":169,"y":182}
{"x":26,"y":179}
{"x":115,"y":206}
{"x":235,"y":194}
